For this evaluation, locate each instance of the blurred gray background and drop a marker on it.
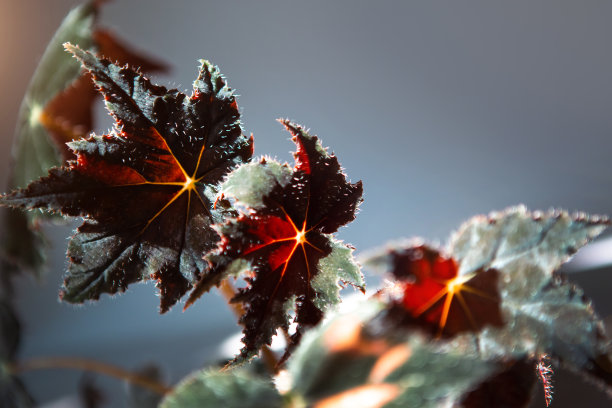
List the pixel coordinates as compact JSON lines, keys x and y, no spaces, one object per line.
{"x":444,"y":109}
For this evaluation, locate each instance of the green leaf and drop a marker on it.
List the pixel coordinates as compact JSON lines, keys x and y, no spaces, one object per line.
{"x":346,"y":358}
{"x":541,"y":314}
{"x":57,"y":108}
{"x":228,"y":389}
{"x":34,"y":152}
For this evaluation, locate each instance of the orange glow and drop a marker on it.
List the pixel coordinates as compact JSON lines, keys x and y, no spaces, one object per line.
{"x":345,"y":336}
{"x":389,"y":362}
{"x":342,"y":335}
{"x":452,"y":287}
{"x":365,"y":396}
{"x":188,"y":185}
{"x":283,"y":230}
{"x":124,"y":176}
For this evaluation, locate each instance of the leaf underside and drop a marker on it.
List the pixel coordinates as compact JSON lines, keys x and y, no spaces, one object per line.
{"x":437,"y":299}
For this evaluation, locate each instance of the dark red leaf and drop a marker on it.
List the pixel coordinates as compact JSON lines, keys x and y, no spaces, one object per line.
{"x":145,"y":189}
{"x":69,"y":115}
{"x":283,"y":241}
{"x":506,"y":265}
{"x":58,"y":108}
{"x":437,"y":297}
{"x":512,"y":388}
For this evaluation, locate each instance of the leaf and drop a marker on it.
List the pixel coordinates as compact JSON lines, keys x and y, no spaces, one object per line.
{"x":231,"y":389}
{"x":10,"y":333}
{"x":541,"y":313}
{"x":57,"y":108}
{"x":69,"y":115}
{"x":59,"y":97}
{"x":513,"y":387}
{"x":544,"y":314}
{"x":146,"y":189}
{"x":22,"y":240}
{"x":437,"y":298}
{"x":34,"y":151}
{"x":346,"y":361}
{"x":284,"y":235}
{"x":12,"y":392}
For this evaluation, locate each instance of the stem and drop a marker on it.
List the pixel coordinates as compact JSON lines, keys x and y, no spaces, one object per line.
{"x":228,"y":291}
{"x":84,"y":364}
{"x":287,"y":336}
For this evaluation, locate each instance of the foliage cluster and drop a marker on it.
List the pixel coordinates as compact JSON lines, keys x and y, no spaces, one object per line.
{"x":173,"y":194}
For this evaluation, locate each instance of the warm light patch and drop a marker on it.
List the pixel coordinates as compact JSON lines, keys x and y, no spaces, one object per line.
{"x":189,"y":185}
{"x":345,"y":336}
{"x":434,"y":293}
{"x":389,"y":362}
{"x":451,"y":289}
{"x":365,"y":396}
{"x":283,"y":382}
{"x":285,"y":232}
{"x":300,"y":238}
{"x":35,"y":114}
{"x":342,"y":335}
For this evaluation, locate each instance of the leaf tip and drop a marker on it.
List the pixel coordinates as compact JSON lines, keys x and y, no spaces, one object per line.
{"x":70,"y":47}
{"x":76,"y":51}
{"x":195,"y":295}
{"x":291,"y":126}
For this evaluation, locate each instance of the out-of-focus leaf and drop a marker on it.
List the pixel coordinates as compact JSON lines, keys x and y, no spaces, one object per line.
{"x":511,"y":388}
{"x":13,"y":393}
{"x":283,"y":237}
{"x":23,"y":244}
{"x":9,"y":332}
{"x":34,"y":152}
{"x":228,"y":389}
{"x":60,"y":96}
{"x":347,"y":359}
{"x":435,"y":297}
{"x":69,"y":115}
{"x":57,"y":108}
{"x":147,"y":189}
{"x":541,"y":313}
{"x":12,"y":390}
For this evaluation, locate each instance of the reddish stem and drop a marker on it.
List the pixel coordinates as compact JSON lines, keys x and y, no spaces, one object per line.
{"x":228,"y":291}
{"x":45,"y":363}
